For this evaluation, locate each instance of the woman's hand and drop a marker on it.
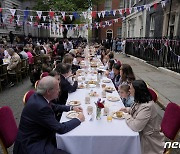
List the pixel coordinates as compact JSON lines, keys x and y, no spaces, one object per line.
{"x":124,"y":110}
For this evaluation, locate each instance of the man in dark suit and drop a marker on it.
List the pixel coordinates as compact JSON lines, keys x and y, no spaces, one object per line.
{"x":36,"y":134}
{"x":66,"y":87}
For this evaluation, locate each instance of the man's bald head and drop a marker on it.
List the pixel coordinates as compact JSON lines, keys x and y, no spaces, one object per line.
{"x":45,"y":84}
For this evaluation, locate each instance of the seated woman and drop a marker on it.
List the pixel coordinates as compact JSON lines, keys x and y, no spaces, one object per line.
{"x":142,"y":117}
{"x":66,"y":87}
{"x":126,"y":73}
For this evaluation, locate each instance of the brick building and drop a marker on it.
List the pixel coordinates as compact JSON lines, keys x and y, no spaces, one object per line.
{"x":113,"y":31}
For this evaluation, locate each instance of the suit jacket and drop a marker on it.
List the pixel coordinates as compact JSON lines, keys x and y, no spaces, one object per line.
{"x":15,"y":59}
{"x":143,"y":118}
{"x":38,"y":126}
{"x":66,"y":88}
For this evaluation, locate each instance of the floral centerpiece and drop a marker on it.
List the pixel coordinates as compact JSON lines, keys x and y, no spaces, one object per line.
{"x":99,"y":106}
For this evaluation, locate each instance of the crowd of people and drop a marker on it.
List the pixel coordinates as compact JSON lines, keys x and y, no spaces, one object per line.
{"x":58,"y":76}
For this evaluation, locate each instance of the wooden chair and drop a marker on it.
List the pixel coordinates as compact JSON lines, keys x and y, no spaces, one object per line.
{"x":170,"y":125}
{"x":27,"y":95}
{"x":27,"y":67}
{"x":4,"y":73}
{"x":23,"y":67}
{"x":17,"y":74}
{"x":8,"y":129}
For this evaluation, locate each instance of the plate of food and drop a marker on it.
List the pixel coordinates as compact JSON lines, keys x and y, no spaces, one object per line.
{"x":106,"y":81}
{"x":74,"y":103}
{"x":109,"y":89}
{"x":81,"y":86}
{"x":93,"y":94}
{"x":113,"y":98}
{"x":72,"y":114}
{"x":118,"y":115}
{"x":91,"y":82}
{"x":92,"y":85}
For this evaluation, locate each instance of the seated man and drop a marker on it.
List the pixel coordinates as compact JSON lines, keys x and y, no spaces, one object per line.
{"x":66,"y":87}
{"x":13,"y":65}
{"x":37,"y":128}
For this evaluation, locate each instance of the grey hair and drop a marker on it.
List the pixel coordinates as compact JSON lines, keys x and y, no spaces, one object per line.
{"x":46,"y":83}
{"x":10,"y":50}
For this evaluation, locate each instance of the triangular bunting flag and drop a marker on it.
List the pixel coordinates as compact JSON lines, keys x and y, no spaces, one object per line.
{"x":39,"y":26}
{"x":57,"y":18}
{"x":31,"y":17}
{"x":115,"y":20}
{"x":13,"y":11}
{"x":18,"y":17}
{"x":127,"y":11}
{"x":42,"y":24}
{"x":66,"y":27}
{"x":63,"y":14}
{"x":155,"y":5}
{"x":0,"y":9}
{"x":39,"y":13}
{"x":148,"y":7}
{"x":85,"y":14}
{"x":44,"y":18}
{"x":26,"y":13}
{"x":114,"y":12}
{"x":93,"y":14}
{"x":163,"y":3}
{"x":51,"y":14}
{"x":130,"y":10}
{"x":99,"y":14}
{"x":120,"y":11}
{"x":103,"y":13}
{"x":71,"y":17}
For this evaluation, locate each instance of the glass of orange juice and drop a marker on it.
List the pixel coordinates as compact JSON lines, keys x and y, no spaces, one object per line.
{"x":109,"y":116}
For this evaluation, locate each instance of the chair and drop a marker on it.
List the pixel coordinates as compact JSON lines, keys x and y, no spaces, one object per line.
{"x":23,"y":67}
{"x":8,"y":129}
{"x":27,"y":96}
{"x":170,"y":125}
{"x":44,"y":74}
{"x":4,"y":73}
{"x":17,"y":74}
{"x":36,"y":84}
{"x":153,"y":94}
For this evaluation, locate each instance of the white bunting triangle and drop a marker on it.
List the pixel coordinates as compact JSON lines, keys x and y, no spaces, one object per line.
{"x":130,"y":10}
{"x":57,"y":18}
{"x":42,"y":24}
{"x":114,"y":12}
{"x":103,"y":13}
{"x":148,"y":7}
{"x":31,"y":17}
{"x":63,"y":14}
{"x":44,"y":18}
{"x":99,"y":14}
{"x":115,"y":20}
{"x":163,"y":3}
{"x":39,"y":13}
{"x":120,"y":11}
{"x":135,"y":9}
{"x":12,"y":11}
{"x":106,"y":22}
{"x":178,"y":59}
{"x":39,"y":26}
{"x":85,"y":14}
{"x":30,"y":23}
{"x":66,"y":27}
{"x":18,"y":17}
{"x":71,"y":17}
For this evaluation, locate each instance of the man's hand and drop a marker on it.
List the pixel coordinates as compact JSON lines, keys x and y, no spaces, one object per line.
{"x":81,"y":117}
{"x":124,"y":110}
{"x":77,"y":109}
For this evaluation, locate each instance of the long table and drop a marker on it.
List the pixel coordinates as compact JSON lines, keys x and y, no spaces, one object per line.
{"x":98,"y":136}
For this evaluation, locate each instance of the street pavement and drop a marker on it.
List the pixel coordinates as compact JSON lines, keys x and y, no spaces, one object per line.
{"x":166,"y":85}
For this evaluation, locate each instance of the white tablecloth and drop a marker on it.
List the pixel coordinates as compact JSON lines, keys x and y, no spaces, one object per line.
{"x":99,"y":136}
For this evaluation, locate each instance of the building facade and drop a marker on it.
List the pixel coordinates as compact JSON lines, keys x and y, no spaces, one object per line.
{"x":151,"y":20}
{"x":113,"y":31}
{"x":25,"y":28}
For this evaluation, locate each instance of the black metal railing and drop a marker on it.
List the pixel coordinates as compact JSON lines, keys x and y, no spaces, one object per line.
{"x":158,"y":52}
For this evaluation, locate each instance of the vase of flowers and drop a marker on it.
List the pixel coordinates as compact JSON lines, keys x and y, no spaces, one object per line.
{"x":99,"y":106}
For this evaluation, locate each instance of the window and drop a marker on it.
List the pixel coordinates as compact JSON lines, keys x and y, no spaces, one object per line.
{"x":152,"y":26}
{"x":121,"y":4}
{"x":171,"y":26}
{"x":108,"y":4}
{"x":119,"y":32}
{"x":109,"y":34}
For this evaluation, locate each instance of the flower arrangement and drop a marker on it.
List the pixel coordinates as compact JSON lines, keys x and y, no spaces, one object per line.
{"x":99,"y":106}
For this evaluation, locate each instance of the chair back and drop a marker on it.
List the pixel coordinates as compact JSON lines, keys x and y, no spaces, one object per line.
{"x":27,"y":95}
{"x":153,"y":94}
{"x":4,"y":69}
{"x":8,"y":128}
{"x":171,"y":121}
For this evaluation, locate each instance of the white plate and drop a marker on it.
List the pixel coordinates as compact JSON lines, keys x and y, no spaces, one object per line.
{"x":74,"y":103}
{"x":113,"y":98}
{"x":92,"y":85}
{"x":106,"y":81}
{"x":72,"y":114}
{"x":115,"y":117}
